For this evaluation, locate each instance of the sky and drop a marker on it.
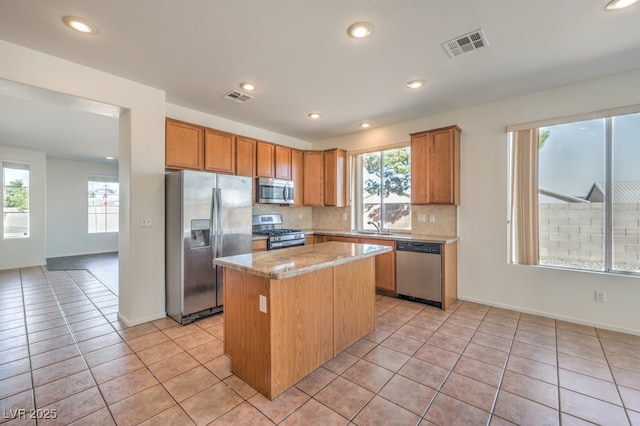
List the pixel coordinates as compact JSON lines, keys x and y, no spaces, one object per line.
{"x":572,"y":158}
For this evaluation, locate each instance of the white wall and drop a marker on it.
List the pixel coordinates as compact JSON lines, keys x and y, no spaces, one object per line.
{"x":67,"y":228}
{"x":196,"y":117}
{"x":23,"y":252}
{"x":141,"y":167}
{"x":483,"y":272}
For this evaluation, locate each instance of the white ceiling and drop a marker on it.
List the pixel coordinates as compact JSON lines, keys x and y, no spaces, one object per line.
{"x":299,"y":55}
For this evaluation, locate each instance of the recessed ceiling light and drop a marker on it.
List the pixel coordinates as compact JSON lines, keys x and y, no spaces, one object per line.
{"x":313,"y":115}
{"x":364,"y":125}
{"x":619,"y":4}
{"x":79,"y":24}
{"x":110,"y":158}
{"x":360,"y":30}
{"x":415,"y":84}
{"x":248,"y":86}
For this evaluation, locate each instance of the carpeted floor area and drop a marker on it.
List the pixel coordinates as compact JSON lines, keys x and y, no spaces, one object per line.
{"x":103,"y":266}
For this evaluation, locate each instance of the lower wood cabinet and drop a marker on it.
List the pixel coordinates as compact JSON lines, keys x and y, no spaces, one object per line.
{"x":259,"y":245}
{"x":385,"y":265}
{"x":341,"y":239}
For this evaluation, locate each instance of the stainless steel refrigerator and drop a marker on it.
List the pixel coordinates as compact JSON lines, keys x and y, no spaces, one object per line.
{"x":207,"y":215}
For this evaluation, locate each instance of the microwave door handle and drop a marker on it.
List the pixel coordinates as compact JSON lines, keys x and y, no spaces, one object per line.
{"x":284,"y":193}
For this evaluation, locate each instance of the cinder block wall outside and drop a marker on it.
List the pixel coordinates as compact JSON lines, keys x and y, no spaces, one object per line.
{"x":574,"y":232}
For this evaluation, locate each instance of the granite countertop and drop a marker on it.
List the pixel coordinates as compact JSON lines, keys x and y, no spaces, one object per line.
{"x":289,"y":262}
{"x":384,"y":236}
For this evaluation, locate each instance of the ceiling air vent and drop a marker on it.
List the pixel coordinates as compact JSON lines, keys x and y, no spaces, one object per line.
{"x":236,"y":96}
{"x":465,"y":43}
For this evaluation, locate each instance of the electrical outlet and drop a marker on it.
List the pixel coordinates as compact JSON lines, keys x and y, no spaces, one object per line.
{"x":601,"y":296}
{"x":263,"y":304}
{"x":344,"y":216}
{"x":432,"y":218}
{"x":145,"y":222}
{"x":421,"y":218}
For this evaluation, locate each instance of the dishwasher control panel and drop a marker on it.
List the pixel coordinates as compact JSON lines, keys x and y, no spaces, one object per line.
{"x":431,"y":248}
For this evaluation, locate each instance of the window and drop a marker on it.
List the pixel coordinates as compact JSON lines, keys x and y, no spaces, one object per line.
{"x":382,"y":189}
{"x":587,"y":194}
{"x":15,"y":204}
{"x":103,"y":203}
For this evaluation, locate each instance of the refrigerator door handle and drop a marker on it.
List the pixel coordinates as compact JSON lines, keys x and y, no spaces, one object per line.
{"x":219,"y":219}
{"x":214,"y":223}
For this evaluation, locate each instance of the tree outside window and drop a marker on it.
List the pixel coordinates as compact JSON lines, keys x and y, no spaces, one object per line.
{"x":16,"y":200}
{"x":386,"y":189}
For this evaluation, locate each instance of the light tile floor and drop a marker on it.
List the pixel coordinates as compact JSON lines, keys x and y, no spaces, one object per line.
{"x":63,"y":350}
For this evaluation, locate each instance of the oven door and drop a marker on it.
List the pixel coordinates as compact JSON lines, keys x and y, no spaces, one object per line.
{"x":275,"y":191}
{"x":274,"y":245}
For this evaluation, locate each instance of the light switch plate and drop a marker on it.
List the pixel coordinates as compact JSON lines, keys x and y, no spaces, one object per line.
{"x":263,"y":304}
{"x":432,"y":218}
{"x":422,"y":218}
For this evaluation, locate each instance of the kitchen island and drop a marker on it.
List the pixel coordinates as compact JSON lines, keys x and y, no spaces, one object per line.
{"x":289,"y":311}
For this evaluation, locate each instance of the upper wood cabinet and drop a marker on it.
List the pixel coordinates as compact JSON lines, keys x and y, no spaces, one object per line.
{"x":282,"y":162}
{"x":265,"y":159}
{"x":297,"y":176}
{"x":335,"y":177}
{"x":184,"y":147}
{"x":245,"y":156}
{"x":435,"y":166}
{"x":219,"y":152}
{"x":313,"y":179}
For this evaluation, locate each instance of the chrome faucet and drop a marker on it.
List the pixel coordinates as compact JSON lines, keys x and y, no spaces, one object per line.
{"x":376,"y":225}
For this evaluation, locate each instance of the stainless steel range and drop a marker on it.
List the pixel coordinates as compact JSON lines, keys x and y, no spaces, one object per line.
{"x":277,"y":236}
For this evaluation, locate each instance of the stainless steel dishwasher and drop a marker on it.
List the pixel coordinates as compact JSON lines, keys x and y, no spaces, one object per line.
{"x":419,"y":272}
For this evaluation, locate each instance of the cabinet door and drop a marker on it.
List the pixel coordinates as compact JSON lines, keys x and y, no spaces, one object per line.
{"x":444,"y":166}
{"x":313,"y":179}
{"x":419,"y":171}
{"x":183,"y":145}
{"x":335,"y":170}
{"x":385,"y":265}
{"x":283,"y":162}
{"x":219,"y":152}
{"x":435,"y":166}
{"x":259,"y":245}
{"x":264,"y":159}
{"x":340,"y":239}
{"x":297,"y":176}
{"x":309,"y":239}
{"x":245,"y":156}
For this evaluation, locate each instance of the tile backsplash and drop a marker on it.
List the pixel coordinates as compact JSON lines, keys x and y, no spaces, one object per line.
{"x":293,"y":217}
{"x":332,"y":218}
{"x":446,"y":220}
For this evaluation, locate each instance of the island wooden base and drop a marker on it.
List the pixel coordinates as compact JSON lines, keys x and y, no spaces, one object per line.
{"x":310,"y":318}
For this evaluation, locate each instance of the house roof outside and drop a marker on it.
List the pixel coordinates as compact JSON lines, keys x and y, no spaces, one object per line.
{"x":624,"y":191}
{"x":561,"y":197}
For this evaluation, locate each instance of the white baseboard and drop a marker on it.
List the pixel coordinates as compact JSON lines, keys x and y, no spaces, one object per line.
{"x":554,"y":316}
{"x":138,"y":321}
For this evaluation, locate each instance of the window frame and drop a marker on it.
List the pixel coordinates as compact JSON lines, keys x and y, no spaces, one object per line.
{"x":104,"y":179}
{"x":608,"y":221}
{"x":15,"y":165}
{"x":357,"y":188}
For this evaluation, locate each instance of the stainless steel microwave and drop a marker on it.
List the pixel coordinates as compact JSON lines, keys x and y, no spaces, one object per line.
{"x":274,"y":191}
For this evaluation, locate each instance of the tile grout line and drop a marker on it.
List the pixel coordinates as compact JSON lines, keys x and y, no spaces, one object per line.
{"x":64,"y":316}
{"x":132,"y":350}
{"x":26,"y":329}
{"x":615,"y":382}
